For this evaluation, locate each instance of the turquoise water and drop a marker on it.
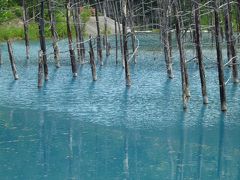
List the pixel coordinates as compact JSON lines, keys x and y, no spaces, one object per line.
{"x":79,"y":129}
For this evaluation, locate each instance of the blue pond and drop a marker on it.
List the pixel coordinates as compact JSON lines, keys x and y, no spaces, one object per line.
{"x":80,"y":129}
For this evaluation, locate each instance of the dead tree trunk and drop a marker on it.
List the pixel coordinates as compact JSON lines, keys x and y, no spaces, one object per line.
{"x":199,"y":51}
{"x":12,"y":60}
{"x":133,"y":35}
{"x":40,"y":68}
{"x":76,"y":26}
{"x":219,"y":58}
{"x":42,"y":39}
{"x":116,"y":31}
{"x":54,"y":32}
{"x":125,"y":42}
{"x":166,"y":40}
{"x":92,"y":61}
{"x":120,"y":35}
{"x":182,"y":56}
{"x":25,"y":25}
{"x":106,"y":43}
{"x":99,"y":46}
{"x":226,"y":23}
{"x":80,"y":30}
{"x":69,"y":32}
{"x":232,"y":45}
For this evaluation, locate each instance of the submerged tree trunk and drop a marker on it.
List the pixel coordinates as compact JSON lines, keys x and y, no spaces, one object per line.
{"x":40,"y":68}
{"x":42,"y":39}
{"x":25,"y":25}
{"x":166,"y":38}
{"x":219,"y":59}
{"x":182,"y":57}
{"x":199,"y":51}
{"x":125,"y":42}
{"x":71,"y":50}
{"x":54,"y":33}
{"x":12,"y":60}
{"x":92,"y":61}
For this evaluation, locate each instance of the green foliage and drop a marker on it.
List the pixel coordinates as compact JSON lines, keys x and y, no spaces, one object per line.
{"x":86,"y":14}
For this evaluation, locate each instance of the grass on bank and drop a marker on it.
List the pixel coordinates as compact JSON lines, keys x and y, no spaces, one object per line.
{"x":11,"y":26}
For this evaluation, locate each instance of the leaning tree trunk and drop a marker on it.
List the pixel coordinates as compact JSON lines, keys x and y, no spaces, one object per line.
{"x":12,"y":60}
{"x":199,"y":51}
{"x":54,"y":33}
{"x":25,"y":25}
{"x":69,"y":32}
{"x":219,"y":59}
{"x":125,"y":42}
{"x":42,"y":39}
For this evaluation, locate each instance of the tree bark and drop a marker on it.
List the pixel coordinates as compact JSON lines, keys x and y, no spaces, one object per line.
{"x":92,"y":61}
{"x":199,"y":51}
{"x":219,"y":58}
{"x":40,"y":68}
{"x":25,"y":25}
{"x":99,"y":46}
{"x":54,"y":33}
{"x":125,"y":42}
{"x":182,"y":57}
{"x":42,"y":38}
{"x":12,"y":60}
{"x":71,"y":50}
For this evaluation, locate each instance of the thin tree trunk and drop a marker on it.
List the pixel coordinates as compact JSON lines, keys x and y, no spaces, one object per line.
{"x":99,"y":46}
{"x":54,"y":33}
{"x":125,"y":42}
{"x":182,"y":56}
{"x":166,"y":39}
{"x":199,"y":51}
{"x":219,"y":59}
{"x":116,"y":31}
{"x":133,"y":35}
{"x":25,"y":25}
{"x":40,"y":68}
{"x":80,"y":30}
{"x":232,"y":45}
{"x":76,"y":24}
{"x":42,"y":39}
{"x":12,"y":60}
{"x":120,"y":35}
{"x":92,"y":61}
{"x":71,"y":50}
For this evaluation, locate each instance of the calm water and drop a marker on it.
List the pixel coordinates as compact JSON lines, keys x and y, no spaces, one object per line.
{"x":77,"y":129}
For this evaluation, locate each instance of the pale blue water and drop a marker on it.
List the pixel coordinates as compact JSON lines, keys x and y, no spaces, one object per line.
{"x":79,"y":129}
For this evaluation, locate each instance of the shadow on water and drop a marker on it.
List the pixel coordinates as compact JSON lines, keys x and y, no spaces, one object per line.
{"x":180,"y":154}
{"x":221,"y":146}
